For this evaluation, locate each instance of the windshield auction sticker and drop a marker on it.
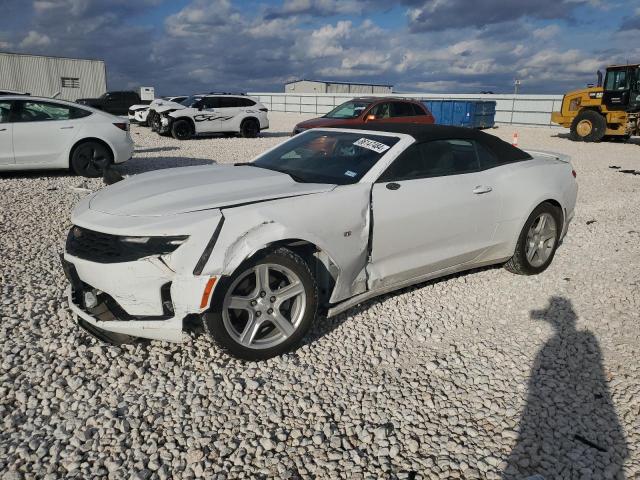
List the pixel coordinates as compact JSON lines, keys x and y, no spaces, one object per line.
{"x":371,"y":145}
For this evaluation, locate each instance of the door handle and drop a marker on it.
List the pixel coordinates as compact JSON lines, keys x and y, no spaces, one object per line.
{"x":65,"y":128}
{"x":3,"y":129}
{"x":393,"y":186}
{"x":482,"y":189}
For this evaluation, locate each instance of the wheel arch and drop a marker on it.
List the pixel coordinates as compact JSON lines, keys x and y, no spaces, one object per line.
{"x":188,"y":119}
{"x":544,"y":199}
{"x":89,"y":139}
{"x":321,"y":263}
{"x":251,"y":117}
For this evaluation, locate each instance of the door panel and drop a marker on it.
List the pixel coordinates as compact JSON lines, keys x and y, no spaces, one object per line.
{"x":41,"y":134}
{"x":430,"y":224}
{"x":6,"y":134}
{"x":208,"y":119}
{"x":6,"y":144}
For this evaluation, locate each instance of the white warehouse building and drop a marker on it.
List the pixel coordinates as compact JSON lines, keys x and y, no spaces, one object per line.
{"x":320,"y":86}
{"x":70,"y":78}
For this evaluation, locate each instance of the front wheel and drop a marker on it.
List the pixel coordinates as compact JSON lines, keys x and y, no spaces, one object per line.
{"x":588,"y":126}
{"x":538,"y":241}
{"x":91,"y":159}
{"x":265,"y":308}
{"x":182,"y":130}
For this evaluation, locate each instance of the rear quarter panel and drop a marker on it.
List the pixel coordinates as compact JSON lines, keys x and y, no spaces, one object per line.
{"x":525,"y":185}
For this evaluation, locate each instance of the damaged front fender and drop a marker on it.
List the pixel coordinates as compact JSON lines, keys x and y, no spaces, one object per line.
{"x":319,"y":219}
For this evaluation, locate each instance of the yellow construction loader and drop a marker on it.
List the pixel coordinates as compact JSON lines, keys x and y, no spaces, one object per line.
{"x":611,"y":109}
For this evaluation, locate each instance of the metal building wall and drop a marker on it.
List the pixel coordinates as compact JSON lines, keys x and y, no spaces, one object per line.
{"x":42,"y":76}
{"x":305,"y":86}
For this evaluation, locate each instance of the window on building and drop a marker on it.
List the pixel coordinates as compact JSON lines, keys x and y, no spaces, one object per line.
{"x":70,"y":82}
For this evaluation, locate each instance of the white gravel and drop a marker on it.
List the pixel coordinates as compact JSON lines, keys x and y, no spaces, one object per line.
{"x":482,"y":375}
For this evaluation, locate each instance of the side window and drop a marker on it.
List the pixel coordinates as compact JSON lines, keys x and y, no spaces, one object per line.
{"x":417,"y":110}
{"x":245,"y":102}
{"x":433,"y":159}
{"x":381,"y":111}
{"x":5,"y":111}
{"x":486,"y":157}
{"x":401,"y":109}
{"x":211,"y":102}
{"x":228,"y":102}
{"x":32,"y":111}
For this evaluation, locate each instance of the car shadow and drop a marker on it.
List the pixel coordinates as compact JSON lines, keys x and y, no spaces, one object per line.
{"x":632,"y":140}
{"x":139,"y":165}
{"x":156,"y":149}
{"x":16,"y":174}
{"x":326,"y":325}
{"x":569,"y":427}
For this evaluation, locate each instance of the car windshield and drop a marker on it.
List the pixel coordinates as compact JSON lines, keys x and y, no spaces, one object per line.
{"x":327,"y":157}
{"x":350,"y":109}
{"x":189,"y":101}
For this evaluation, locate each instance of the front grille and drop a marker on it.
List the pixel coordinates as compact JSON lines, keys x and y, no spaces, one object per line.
{"x":94,"y":246}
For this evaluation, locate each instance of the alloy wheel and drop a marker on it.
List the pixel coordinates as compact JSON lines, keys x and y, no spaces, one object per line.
{"x":541,"y":239}
{"x":264,"y":306}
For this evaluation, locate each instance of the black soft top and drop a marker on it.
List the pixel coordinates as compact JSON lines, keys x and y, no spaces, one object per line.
{"x":425,"y":133}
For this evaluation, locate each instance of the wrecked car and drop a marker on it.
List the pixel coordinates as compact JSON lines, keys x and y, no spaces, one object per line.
{"x":315,"y":225}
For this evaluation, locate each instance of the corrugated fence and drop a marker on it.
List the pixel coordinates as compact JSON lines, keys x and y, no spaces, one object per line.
{"x":520,"y":109}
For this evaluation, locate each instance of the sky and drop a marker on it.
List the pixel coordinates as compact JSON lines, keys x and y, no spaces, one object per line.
{"x":436,"y":46}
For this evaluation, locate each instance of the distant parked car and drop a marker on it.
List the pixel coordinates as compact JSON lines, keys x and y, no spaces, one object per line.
{"x":42,"y":133}
{"x":117,"y":103}
{"x":214,"y":113}
{"x":140,"y":113}
{"x":371,"y":109}
{"x":325,"y":220}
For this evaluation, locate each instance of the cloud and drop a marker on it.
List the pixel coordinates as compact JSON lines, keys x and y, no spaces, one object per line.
{"x":35,"y":39}
{"x":631,"y":23}
{"x":436,"y":15}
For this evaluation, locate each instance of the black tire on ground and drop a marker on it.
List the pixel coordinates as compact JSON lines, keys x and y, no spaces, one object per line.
{"x":154,"y":121}
{"x":214,"y":320}
{"x":182,"y":129}
{"x":250,"y":128}
{"x":519,"y":263}
{"x":90,"y":159}
{"x":588,"y":126}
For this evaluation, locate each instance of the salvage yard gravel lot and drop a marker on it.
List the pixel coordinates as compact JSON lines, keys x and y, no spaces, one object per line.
{"x":478,"y":375}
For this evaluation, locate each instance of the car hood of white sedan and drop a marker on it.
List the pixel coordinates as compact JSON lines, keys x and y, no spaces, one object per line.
{"x":189,"y":189}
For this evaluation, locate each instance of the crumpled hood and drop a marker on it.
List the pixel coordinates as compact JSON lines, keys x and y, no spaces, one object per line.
{"x":188,"y":189}
{"x":167,"y":105}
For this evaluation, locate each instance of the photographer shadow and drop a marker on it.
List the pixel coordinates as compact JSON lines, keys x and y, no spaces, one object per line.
{"x":569,"y":427}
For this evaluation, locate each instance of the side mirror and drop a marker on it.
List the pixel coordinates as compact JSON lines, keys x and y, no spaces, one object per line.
{"x":369,"y":117}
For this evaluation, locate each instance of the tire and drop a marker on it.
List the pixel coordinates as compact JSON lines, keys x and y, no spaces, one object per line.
{"x":182,"y":129}
{"x":153,"y":119}
{"x":588,"y":126}
{"x":90,"y":159}
{"x":250,"y":128}
{"x":529,"y":258}
{"x":230,"y":327}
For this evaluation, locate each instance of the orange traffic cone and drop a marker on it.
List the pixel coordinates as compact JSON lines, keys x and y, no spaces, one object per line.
{"x":515,"y":139}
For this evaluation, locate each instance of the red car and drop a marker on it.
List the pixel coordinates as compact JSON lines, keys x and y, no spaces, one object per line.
{"x":371,"y":109}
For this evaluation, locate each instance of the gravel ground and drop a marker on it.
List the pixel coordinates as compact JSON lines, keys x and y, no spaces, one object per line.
{"x":481,"y":375}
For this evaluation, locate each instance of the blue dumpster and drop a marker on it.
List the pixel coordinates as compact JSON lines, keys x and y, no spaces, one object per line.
{"x":463,"y":113}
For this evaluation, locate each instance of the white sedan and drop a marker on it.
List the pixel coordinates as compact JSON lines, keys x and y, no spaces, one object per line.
{"x":43,"y":133}
{"x":324,"y":221}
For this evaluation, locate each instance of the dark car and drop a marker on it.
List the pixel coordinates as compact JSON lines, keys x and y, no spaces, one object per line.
{"x":371,"y":109}
{"x":116,"y":103}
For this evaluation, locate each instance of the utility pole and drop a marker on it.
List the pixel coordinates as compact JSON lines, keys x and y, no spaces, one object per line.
{"x":516,"y":85}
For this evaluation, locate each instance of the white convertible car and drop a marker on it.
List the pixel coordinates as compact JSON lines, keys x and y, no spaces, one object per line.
{"x":321,"y":222}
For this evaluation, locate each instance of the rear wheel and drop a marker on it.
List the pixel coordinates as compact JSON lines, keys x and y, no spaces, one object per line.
{"x":588,"y":126}
{"x":250,"y":128}
{"x":537,"y":242}
{"x":91,"y":159}
{"x":182,"y":130}
{"x":265,"y":308}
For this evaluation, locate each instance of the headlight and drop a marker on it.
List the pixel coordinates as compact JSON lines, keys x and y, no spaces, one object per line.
{"x":105,"y":248}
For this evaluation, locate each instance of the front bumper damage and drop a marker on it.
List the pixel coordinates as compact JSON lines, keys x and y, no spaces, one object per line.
{"x":161,"y":302}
